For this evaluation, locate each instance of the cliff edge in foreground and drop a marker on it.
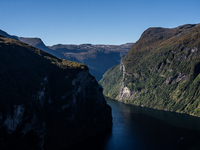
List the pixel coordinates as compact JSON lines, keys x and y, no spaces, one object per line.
{"x":46,"y":102}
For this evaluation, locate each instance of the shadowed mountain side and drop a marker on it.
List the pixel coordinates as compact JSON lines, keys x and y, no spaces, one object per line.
{"x":47,"y":102}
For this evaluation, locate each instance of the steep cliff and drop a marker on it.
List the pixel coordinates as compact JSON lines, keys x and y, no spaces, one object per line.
{"x":46,"y":102}
{"x":160,"y":71}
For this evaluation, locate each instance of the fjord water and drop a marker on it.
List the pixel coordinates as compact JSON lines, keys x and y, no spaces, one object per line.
{"x":137,"y":128}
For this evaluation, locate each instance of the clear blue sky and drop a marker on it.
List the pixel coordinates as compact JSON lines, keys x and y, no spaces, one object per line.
{"x":93,"y":21}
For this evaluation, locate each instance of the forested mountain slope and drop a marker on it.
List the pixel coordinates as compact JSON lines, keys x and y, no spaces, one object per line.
{"x":160,"y":71}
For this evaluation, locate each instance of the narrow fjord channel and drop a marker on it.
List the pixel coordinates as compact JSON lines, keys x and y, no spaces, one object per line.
{"x":137,"y":128}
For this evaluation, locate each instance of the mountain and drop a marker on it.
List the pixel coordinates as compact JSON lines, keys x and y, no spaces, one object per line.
{"x":160,"y":71}
{"x":99,"y":58}
{"x":47,"y":102}
{"x":38,"y":43}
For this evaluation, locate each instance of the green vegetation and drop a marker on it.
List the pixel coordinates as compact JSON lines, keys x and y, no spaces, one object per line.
{"x":161,"y":71}
{"x":111,"y":81}
{"x":23,"y":69}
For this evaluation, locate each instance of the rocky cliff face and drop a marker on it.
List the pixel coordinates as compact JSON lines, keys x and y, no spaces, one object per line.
{"x":160,"y":71}
{"x":46,"y":102}
{"x":124,"y":91}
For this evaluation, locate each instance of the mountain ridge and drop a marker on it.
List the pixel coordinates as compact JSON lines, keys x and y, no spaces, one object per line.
{"x":8,"y":35}
{"x":106,"y":55}
{"x":160,"y":71}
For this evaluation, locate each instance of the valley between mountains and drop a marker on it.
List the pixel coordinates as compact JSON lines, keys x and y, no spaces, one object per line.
{"x":98,"y":58}
{"x":160,"y":71}
{"x":57,"y":92}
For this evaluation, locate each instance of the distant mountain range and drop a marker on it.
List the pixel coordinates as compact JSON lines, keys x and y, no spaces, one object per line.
{"x":99,"y":58}
{"x":161,"y":71}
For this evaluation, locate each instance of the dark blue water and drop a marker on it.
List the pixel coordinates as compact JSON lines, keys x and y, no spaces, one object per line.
{"x":136,"y":128}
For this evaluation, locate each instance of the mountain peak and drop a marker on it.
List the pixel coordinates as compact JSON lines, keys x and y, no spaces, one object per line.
{"x":160,"y":71}
{"x":32,"y":41}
